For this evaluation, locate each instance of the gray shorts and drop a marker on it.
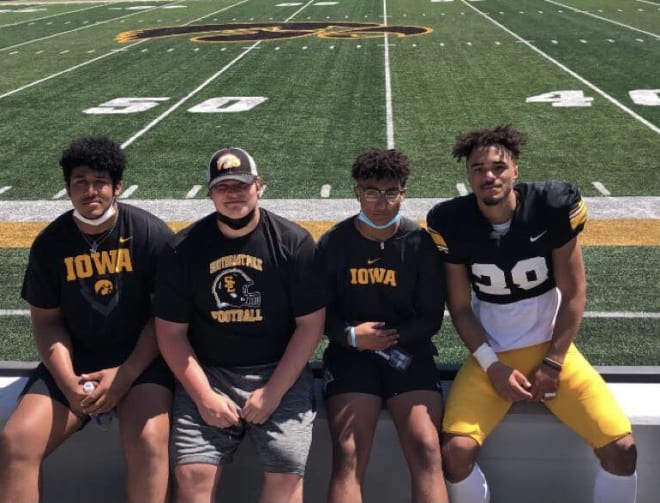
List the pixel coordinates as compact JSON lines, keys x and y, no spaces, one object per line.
{"x":282,"y":442}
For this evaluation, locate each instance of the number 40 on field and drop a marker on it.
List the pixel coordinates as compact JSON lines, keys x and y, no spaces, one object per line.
{"x":643,"y":97}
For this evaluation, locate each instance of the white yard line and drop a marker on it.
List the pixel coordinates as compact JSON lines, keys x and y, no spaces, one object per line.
{"x":114,"y":51}
{"x":199,"y":88}
{"x":70,"y":69}
{"x":650,"y":3}
{"x":389,"y":119}
{"x":97,"y":23}
{"x":603,"y":18}
{"x":52,"y":15}
{"x":595,"y":88}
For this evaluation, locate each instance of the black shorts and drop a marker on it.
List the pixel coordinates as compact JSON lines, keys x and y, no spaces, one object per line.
{"x":352,"y":371}
{"x":41,"y":381}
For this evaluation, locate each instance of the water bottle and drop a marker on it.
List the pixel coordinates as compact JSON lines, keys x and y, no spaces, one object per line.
{"x":396,"y":357}
{"x":102,"y":420}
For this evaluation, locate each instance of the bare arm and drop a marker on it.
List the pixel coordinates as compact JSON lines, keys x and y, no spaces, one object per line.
{"x":571,"y":281}
{"x":509,"y":383}
{"x":263,"y":402}
{"x":215,"y":409}
{"x":54,"y":347}
{"x":459,"y":294}
{"x":568,"y":267}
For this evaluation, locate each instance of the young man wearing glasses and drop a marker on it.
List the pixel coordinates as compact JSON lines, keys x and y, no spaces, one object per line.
{"x":239,"y":312}
{"x":386,"y":301}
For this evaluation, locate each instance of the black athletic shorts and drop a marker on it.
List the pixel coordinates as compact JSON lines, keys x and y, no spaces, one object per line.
{"x":41,"y":381}
{"x":352,"y":371}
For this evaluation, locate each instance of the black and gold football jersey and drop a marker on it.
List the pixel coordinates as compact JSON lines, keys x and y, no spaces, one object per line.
{"x":518,"y":264}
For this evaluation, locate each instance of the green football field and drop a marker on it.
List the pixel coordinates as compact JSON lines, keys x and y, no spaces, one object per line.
{"x":305,"y":85}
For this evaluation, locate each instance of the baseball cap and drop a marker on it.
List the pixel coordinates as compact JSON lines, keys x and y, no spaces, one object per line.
{"x":232,"y":163}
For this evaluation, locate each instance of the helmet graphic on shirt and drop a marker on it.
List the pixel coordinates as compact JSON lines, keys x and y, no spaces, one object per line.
{"x":231,"y":288}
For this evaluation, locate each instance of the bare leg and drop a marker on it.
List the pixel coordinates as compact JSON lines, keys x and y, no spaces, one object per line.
{"x":352,"y":421}
{"x":282,"y":488}
{"x":197,"y":482}
{"x":144,"y":415}
{"x":416,"y":415}
{"x":37,"y":427}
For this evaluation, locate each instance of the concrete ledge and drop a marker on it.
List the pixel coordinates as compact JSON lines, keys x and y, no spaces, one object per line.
{"x":530,"y":457}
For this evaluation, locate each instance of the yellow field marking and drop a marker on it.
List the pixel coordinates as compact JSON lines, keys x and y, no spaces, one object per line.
{"x":596,"y":233}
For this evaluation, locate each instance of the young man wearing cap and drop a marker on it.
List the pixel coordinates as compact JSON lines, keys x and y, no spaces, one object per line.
{"x":239,"y":312}
{"x":516,"y":247}
{"x":89,"y":282}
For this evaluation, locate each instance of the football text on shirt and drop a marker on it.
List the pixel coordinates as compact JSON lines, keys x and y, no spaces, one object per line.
{"x":232,"y":289}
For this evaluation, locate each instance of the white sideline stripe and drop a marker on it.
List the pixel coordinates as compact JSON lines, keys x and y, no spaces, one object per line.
{"x":53,"y":15}
{"x":609,"y":98}
{"x":97,"y":23}
{"x":114,"y":51}
{"x":650,"y":3}
{"x":188,"y":210}
{"x":587,"y":314}
{"x":389,"y":119}
{"x":174,"y":107}
{"x":604,"y":19}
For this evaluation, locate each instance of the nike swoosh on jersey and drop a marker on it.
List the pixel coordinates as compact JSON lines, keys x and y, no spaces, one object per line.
{"x":373,"y":260}
{"x":124,"y":240}
{"x":537,"y":237}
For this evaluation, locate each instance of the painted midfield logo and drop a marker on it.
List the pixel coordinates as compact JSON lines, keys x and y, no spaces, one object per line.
{"x":254,"y":32}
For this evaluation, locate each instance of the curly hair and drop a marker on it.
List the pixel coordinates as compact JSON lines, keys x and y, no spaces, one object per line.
{"x":99,"y":154}
{"x":381,"y":164}
{"x":503,"y":135}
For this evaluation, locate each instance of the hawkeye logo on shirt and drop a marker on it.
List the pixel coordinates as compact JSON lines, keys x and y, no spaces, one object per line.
{"x":232,"y":289}
{"x":372,"y":275}
{"x":103,"y":263}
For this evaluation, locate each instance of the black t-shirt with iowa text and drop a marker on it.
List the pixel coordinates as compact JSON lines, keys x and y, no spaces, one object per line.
{"x":239,"y":296}
{"x":105,"y":297}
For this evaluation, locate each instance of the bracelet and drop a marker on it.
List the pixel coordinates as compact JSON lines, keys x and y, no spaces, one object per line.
{"x":485,"y":356}
{"x":553,"y":364}
{"x":351,"y":340}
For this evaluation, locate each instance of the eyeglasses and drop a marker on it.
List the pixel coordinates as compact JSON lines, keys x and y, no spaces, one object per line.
{"x":372,"y":194}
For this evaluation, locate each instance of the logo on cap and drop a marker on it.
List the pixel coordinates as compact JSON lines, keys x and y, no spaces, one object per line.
{"x":228,"y":161}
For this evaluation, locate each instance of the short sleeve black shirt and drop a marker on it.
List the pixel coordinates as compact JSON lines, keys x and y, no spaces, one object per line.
{"x":517,"y":265}
{"x":105,"y":297}
{"x":239,"y":296}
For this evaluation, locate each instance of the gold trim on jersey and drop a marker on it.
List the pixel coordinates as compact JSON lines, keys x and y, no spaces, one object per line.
{"x":438,"y":240}
{"x":578,"y":214}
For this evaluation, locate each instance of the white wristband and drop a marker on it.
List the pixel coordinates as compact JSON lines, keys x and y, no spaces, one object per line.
{"x":485,"y":356}
{"x":351,"y":334}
